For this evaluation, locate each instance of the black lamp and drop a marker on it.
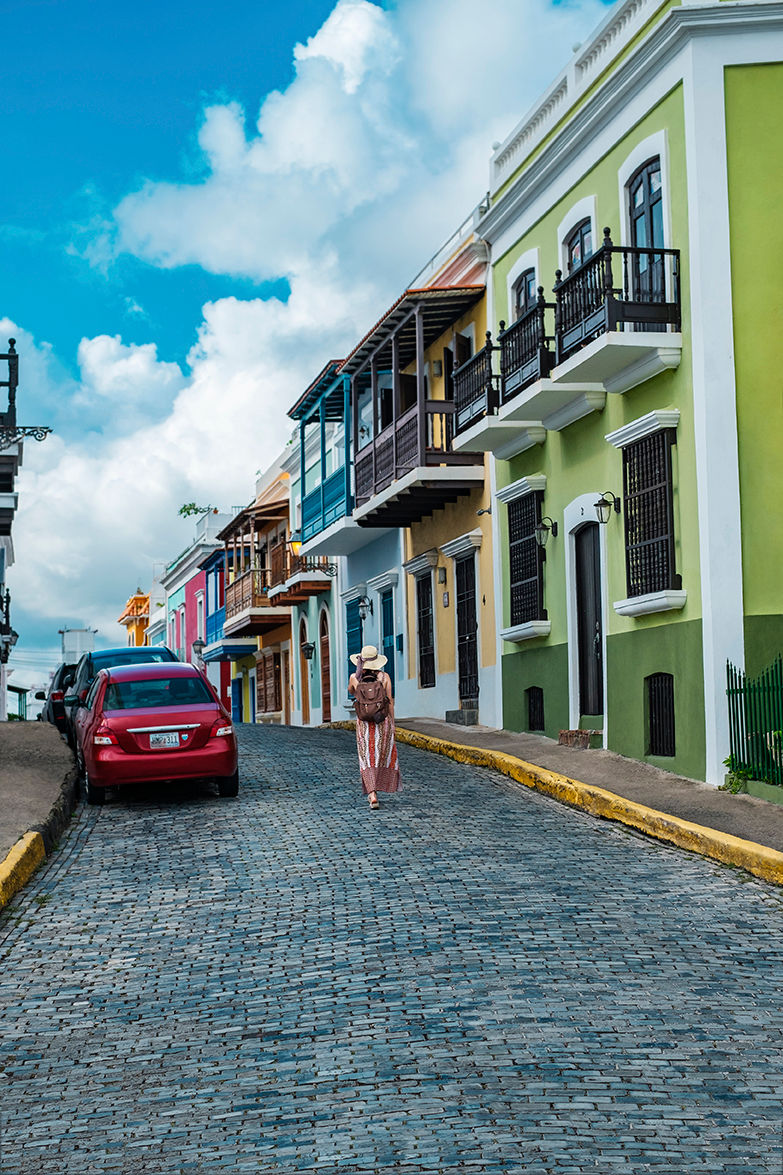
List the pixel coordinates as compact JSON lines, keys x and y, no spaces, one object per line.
{"x":543,"y":529}
{"x":365,"y":607}
{"x":604,"y":506}
{"x":308,"y":648}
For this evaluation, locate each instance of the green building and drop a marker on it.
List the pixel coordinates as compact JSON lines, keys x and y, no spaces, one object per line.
{"x":632,"y":398}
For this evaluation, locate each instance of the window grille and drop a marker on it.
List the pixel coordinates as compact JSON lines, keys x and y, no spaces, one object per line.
{"x":526,"y":560}
{"x":660,"y":714}
{"x":649,"y":514}
{"x":425,"y":631}
{"x":535,"y":707}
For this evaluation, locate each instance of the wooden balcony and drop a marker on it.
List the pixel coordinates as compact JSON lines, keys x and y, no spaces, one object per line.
{"x":411,"y":469}
{"x":249,"y":609}
{"x":297,"y":577}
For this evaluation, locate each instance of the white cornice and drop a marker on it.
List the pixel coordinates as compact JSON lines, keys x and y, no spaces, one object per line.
{"x":518,"y":489}
{"x":424,"y":562}
{"x":354,"y":593}
{"x":630,"y":77}
{"x":644,"y":426}
{"x":526,"y":632}
{"x":379,"y":583}
{"x":670,"y":601}
{"x":463,"y":545}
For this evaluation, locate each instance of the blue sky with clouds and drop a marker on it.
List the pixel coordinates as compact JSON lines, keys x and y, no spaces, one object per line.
{"x":206,"y":203}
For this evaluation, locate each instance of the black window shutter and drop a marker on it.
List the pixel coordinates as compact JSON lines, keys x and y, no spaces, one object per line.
{"x":649,"y":514}
{"x":526,"y":560}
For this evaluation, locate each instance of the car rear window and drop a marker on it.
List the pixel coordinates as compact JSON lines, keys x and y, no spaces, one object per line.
{"x":137,"y":657}
{"x":157,"y":691}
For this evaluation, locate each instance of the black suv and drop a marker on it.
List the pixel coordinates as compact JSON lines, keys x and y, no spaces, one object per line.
{"x":54,"y":709}
{"x":90,"y":665}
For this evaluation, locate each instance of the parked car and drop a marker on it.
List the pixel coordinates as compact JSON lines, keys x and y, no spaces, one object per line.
{"x":91,"y":663}
{"x":153,"y":723}
{"x":54,"y":708}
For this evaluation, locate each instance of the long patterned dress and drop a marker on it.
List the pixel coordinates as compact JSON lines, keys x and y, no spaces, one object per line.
{"x":377,"y":749}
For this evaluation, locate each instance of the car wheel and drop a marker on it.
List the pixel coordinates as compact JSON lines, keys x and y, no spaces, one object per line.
{"x":228,"y":785}
{"x":92,"y":794}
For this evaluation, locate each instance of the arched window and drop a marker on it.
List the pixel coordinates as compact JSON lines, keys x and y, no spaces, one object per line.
{"x":645,"y":206}
{"x":524,"y":292}
{"x":579,"y":244}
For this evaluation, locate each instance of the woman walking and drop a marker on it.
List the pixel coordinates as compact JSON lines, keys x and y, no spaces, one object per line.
{"x":374,"y":704}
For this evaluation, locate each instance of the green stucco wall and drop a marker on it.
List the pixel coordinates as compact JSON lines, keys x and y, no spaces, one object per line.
{"x":754,"y":100}
{"x":546,"y":667}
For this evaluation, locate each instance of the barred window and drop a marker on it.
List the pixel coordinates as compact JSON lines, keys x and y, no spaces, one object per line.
{"x":649,"y":514}
{"x":660,"y":714}
{"x":535,"y":707}
{"x":526,"y":560}
{"x":425,"y":628}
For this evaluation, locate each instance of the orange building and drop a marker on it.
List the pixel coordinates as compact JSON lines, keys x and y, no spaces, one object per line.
{"x":136,"y":616}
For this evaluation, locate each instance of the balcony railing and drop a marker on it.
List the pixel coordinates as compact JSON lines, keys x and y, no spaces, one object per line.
{"x":324,"y":505}
{"x":396,"y":450}
{"x":248,"y":591}
{"x":284,"y":565}
{"x":214,"y":625}
{"x":590,"y":303}
{"x":476,"y":388}
{"x":524,"y":349}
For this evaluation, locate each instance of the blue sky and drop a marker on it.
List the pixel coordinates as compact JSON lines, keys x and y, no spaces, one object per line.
{"x":207,"y":203}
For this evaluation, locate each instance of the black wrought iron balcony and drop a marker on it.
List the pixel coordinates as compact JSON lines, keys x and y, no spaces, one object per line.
{"x":525,"y":355}
{"x":476,"y":388}
{"x":621,"y":287}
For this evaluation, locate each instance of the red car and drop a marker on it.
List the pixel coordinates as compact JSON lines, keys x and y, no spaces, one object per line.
{"x":154,"y":722}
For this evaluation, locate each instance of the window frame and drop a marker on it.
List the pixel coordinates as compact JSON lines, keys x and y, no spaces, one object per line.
{"x":534,"y":498}
{"x":429,"y":649}
{"x":641,"y":510}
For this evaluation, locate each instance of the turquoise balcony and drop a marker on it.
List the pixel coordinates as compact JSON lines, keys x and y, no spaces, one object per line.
{"x":324,"y":505}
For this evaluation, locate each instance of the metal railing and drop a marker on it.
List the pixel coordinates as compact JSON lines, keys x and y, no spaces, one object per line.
{"x":524,"y":349}
{"x":476,"y":387}
{"x":589,"y":302}
{"x":756,"y":722}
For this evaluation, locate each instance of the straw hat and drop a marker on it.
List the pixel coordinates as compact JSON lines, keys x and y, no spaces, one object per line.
{"x":371,"y":658}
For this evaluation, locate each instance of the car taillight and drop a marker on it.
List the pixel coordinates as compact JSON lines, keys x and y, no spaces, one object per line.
{"x":221,"y":728}
{"x":105,"y":736}
{"x":57,"y":695}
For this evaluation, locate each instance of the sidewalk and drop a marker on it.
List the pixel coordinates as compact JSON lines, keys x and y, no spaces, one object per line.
{"x":738,"y":815}
{"x":37,"y":795}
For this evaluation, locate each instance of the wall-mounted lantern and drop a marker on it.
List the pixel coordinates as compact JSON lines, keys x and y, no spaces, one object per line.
{"x":543,"y":529}
{"x":308,"y":648}
{"x":295,"y":543}
{"x":604,"y":506}
{"x":365,"y":607}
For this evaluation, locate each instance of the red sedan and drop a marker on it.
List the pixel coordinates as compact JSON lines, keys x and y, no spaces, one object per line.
{"x":147,"y":723}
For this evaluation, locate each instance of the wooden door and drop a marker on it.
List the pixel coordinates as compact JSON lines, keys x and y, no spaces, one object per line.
{"x":326,"y":672}
{"x":588,"y":615}
{"x":304,"y":675}
{"x":387,"y":632}
{"x":467,"y":629}
{"x":284,"y":682}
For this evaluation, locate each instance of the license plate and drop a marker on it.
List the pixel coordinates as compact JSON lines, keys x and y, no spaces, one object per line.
{"x":164,"y":740}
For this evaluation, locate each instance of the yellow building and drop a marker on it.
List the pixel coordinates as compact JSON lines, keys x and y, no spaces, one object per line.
{"x":135,"y":617}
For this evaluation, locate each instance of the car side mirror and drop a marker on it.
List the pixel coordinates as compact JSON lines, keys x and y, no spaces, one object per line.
{"x":40,"y":696}
{"x":73,"y":700}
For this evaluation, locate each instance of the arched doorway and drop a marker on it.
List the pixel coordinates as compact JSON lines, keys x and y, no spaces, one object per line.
{"x":326,"y":674}
{"x":304,"y":675}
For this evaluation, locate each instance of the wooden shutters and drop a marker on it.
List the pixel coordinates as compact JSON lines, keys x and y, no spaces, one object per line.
{"x":526,"y":560}
{"x":649,"y":514}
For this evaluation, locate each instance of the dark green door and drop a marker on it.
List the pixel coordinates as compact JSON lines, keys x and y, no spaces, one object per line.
{"x":387,"y":631}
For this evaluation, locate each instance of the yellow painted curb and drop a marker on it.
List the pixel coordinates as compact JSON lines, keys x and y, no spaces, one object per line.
{"x":697,"y":838}
{"x":20,"y":864}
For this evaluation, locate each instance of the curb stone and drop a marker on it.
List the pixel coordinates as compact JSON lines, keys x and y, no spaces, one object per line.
{"x":32,"y":849}
{"x":760,"y":860}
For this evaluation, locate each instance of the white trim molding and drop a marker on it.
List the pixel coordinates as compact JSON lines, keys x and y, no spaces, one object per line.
{"x":354,"y":592}
{"x":667,"y":601}
{"x":527,"y":631}
{"x":527,"y":260}
{"x":387,"y":579}
{"x":643,"y":426}
{"x":584,"y":209}
{"x":464,"y":545}
{"x":649,"y":148}
{"x":424,"y":562}
{"x":578,"y":512}
{"x":525,"y":485}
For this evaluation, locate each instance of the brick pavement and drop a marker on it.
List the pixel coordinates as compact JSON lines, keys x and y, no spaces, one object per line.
{"x":474,"y":979}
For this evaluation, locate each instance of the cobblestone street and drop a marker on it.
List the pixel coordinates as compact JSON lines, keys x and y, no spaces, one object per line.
{"x":472,"y":979}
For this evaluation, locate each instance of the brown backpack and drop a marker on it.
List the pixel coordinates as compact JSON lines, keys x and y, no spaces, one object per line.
{"x":370,"y":702}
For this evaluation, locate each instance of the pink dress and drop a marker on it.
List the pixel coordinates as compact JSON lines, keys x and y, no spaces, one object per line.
{"x":377,"y":749}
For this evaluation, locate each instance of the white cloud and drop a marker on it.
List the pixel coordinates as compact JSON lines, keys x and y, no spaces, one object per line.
{"x":350,"y":179}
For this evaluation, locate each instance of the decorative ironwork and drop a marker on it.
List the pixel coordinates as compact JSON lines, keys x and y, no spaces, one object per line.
{"x":526,"y":560}
{"x":476,"y":387}
{"x":660,"y":714}
{"x":535,"y":707}
{"x":524,"y":349}
{"x":8,"y":637}
{"x":425,"y":631}
{"x":649,"y":515}
{"x":756,"y":722}
{"x":588,"y":303}
{"x":12,"y":433}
